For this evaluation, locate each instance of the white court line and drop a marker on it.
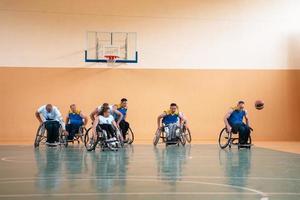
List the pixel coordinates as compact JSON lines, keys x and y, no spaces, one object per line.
{"x":263,"y":195}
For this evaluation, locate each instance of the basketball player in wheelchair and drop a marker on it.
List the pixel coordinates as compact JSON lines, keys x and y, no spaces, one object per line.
{"x":234,"y":124}
{"x":52,"y":130}
{"x":125,"y":128}
{"x":171,"y":131}
{"x":75,"y":124}
{"x":104,"y":132}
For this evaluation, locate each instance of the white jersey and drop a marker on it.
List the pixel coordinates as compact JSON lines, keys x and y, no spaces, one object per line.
{"x":106,"y":120}
{"x":53,"y":115}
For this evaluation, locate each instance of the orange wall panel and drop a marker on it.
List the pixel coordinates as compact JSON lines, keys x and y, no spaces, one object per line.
{"x":203,"y":95}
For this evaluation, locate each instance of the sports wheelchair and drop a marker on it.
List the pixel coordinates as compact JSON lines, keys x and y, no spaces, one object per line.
{"x":41,"y":136}
{"x":231,"y":138}
{"x":91,"y":141}
{"x":161,"y":134}
{"x":79,"y":137}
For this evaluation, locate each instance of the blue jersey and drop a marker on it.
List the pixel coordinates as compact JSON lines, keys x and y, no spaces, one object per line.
{"x":236,"y":117}
{"x":170,"y":118}
{"x":123,"y":111}
{"x":75,"y":118}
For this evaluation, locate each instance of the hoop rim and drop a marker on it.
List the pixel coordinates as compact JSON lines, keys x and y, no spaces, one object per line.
{"x":111,"y":58}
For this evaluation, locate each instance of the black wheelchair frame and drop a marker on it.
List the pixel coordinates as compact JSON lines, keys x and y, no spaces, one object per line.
{"x":41,"y":136}
{"x":101,"y":140}
{"x":231,"y":138}
{"x":160,"y":134}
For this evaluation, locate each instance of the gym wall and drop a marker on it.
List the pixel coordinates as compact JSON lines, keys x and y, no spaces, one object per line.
{"x":204,"y":55}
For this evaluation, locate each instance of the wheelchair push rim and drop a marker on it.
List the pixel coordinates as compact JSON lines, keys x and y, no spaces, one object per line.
{"x":90,"y":145}
{"x":182,"y":138}
{"x":120,"y":138}
{"x":129,"y":136}
{"x":40,"y":136}
{"x":187,"y":134}
{"x":156,"y":137}
{"x":224,"y":138}
{"x":86,"y":137}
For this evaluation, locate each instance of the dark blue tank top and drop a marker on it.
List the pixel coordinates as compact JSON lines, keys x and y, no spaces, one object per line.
{"x":75,"y":118}
{"x":170,"y":118}
{"x":123,"y":111}
{"x":236,"y":117}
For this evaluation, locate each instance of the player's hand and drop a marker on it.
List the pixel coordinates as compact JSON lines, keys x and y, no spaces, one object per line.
{"x":65,"y":133}
{"x":228,"y":129}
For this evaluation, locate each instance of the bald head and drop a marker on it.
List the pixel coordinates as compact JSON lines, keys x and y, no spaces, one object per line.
{"x":49,"y":107}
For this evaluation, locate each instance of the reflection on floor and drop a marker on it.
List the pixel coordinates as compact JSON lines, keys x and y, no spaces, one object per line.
{"x":145,"y":172}
{"x":291,"y":147}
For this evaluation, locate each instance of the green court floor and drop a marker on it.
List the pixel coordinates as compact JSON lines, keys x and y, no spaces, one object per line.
{"x":145,"y":172}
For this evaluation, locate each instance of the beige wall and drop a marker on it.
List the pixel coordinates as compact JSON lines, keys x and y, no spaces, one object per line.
{"x":171,"y":33}
{"x":203,"y":95}
{"x":187,"y":52}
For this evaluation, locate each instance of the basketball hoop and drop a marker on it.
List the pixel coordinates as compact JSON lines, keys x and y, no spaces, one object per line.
{"x":111,"y":59}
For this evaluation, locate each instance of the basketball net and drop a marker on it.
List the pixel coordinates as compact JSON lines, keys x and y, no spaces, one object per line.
{"x":111,"y":59}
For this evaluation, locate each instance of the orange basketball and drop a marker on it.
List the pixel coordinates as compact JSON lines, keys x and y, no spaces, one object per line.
{"x":259,"y":104}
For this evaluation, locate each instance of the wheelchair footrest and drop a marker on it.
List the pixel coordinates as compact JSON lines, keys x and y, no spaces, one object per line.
{"x":172,"y":141}
{"x":245,"y":145}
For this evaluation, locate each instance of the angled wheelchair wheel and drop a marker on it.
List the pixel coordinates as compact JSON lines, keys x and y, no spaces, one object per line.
{"x":182,"y":139}
{"x":224,"y":138}
{"x":63,"y":139}
{"x":41,"y":136}
{"x":81,"y":134}
{"x":90,"y":141}
{"x":249,"y":140}
{"x":187,"y":134}
{"x":120,"y":138}
{"x":156,"y":137}
{"x":129,"y":136}
{"x":86,"y":136}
